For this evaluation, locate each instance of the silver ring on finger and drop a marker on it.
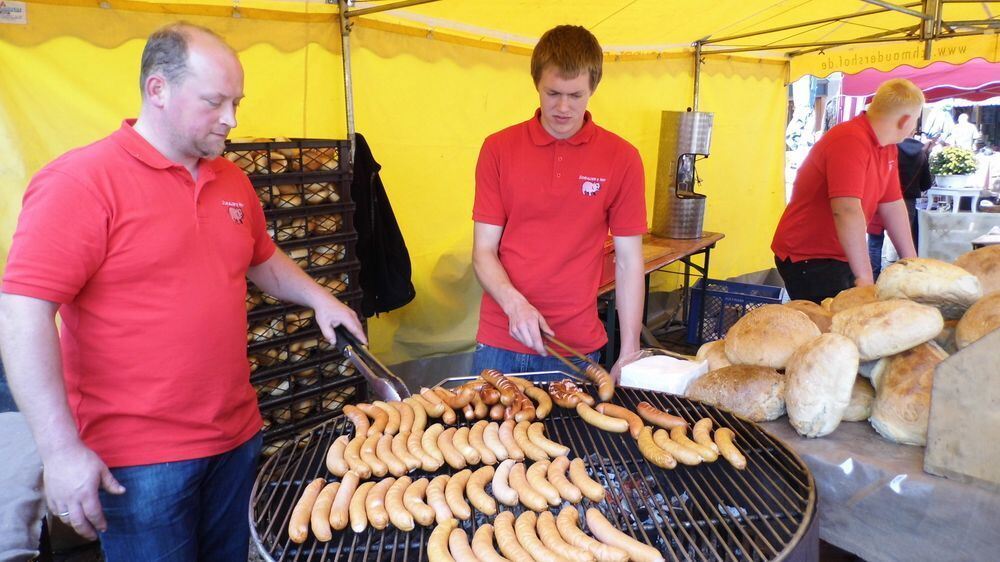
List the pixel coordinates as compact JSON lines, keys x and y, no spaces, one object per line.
{"x":62,"y":515}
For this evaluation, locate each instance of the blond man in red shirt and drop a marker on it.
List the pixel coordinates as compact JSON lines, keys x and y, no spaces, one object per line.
{"x":849,"y":175}
{"x":141,"y":407}
{"x":548,"y":191}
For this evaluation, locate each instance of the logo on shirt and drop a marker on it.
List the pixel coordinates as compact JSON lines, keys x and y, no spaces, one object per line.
{"x":892,"y":165}
{"x":235,"y":210}
{"x":591,"y":185}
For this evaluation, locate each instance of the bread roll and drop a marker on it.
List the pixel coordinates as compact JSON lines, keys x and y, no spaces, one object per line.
{"x":827,"y":303}
{"x":981,"y":319}
{"x":855,"y":296}
{"x":933,"y":282}
{"x":756,"y":393}
{"x":984,"y":263}
{"x":767,"y":336}
{"x":884,"y":328}
{"x":819,"y":315}
{"x":715,"y":353}
{"x":818,"y":383}
{"x":903,"y":394}
{"x":862,"y":396}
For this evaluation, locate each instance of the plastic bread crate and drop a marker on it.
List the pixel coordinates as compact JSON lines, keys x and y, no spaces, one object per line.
{"x":340,"y":278}
{"x":725,"y":303}
{"x":268,"y":157}
{"x":287,"y":416}
{"x":294,"y":191}
{"x":287,"y":226}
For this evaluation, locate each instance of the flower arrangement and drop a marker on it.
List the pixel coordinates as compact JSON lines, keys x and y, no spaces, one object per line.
{"x":953,"y":161}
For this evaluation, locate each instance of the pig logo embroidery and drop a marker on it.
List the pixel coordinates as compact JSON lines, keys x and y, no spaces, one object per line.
{"x":235,"y":209}
{"x":590,"y":188}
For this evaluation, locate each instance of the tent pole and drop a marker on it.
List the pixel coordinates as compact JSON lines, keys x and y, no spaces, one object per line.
{"x":814,"y":44}
{"x":804,"y":24}
{"x":345,"y":43}
{"x":697,"y":74}
{"x":900,"y":9}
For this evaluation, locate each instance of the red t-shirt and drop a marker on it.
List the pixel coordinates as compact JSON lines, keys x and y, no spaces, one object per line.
{"x":556,"y":200}
{"x":149,"y":269}
{"x":847,"y":162}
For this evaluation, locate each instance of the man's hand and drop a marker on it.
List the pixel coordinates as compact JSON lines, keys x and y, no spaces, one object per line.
{"x":526,"y":325}
{"x":863,"y":281}
{"x":73,"y":475}
{"x":331,"y":313}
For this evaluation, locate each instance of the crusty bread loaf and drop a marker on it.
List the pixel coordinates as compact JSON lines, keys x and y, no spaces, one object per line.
{"x":855,"y":296}
{"x":767,"y":336}
{"x":819,"y":315}
{"x":819,"y":379}
{"x":884,"y":328}
{"x":862,"y":396}
{"x":903,"y":394}
{"x":933,"y":282}
{"x":984,"y":263}
{"x":715,"y":353}
{"x":981,"y":319}
{"x":756,"y":393}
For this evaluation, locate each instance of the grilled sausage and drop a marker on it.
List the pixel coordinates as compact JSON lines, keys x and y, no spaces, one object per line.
{"x":556,"y":474}
{"x":491,"y":436}
{"x":399,"y":516}
{"x":461,"y":442}
{"x":475,"y":490}
{"x":652,"y":452}
{"x":413,"y":501}
{"x":683,"y":454}
{"x":392,"y":425}
{"x":524,"y":527}
{"x":601,"y":421}
{"x":429,"y":443}
{"x":526,"y":494}
{"x":339,"y":511}
{"x":379,"y":418}
{"x":452,"y":456}
{"x":400,"y":448}
{"x":352,"y":454}
{"x":358,"y":418}
{"x":383,"y":450}
{"x":482,"y":545}
{"x":579,"y":477}
{"x":679,"y":436}
{"x":532,"y":451}
{"x":477,"y":438}
{"x":378,"y":516}
{"x":335,"y":461}
{"x":436,"y":498}
{"x":536,"y":433}
{"x":298,"y":523}
{"x":547,"y":531}
{"x":437,"y":544}
{"x":501,"y":487}
{"x":503,"y":525}
{"x":406,"y":415}
{"x":634,"y":422}
{"x":509,"y":443}
{"x":658,"y":417}
{"x":536,"y":476}
{"x":605,"y":532}
{"x":419,"y":414}
{"x":724,"y":439}
{"x":320,"y":517}
{"x":569,"y":527}
{"x":356,"y":511}
{"x":369,"y":456}
{"x":454,"y":494}
{"x":703,"y":434}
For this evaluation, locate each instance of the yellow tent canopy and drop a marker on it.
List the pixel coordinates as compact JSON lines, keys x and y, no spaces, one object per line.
{"x":430,"y":80}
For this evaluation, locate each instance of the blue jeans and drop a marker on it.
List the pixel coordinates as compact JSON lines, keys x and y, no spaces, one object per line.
{"x":488,"y":357}
{"x":182,"y":511}
{"x":875,"y":242}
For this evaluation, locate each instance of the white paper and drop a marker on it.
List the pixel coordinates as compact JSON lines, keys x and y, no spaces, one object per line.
{"x":662,"y":373}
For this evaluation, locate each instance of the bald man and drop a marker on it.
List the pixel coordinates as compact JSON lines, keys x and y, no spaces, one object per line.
{"x":851,"y":174}
{"x":145,"y":420}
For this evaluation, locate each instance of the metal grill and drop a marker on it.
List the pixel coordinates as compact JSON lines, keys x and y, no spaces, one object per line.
{"x":706,"y":512}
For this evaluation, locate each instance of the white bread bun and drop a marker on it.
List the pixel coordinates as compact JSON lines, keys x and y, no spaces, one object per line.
{"x":984,"y":263}
{"x":819,"y":315}
{"x":903,"y":394}
{"x":884,"y":328}
{"x":715,"y":353}
{"x":767,"y":336}
{"x":860,"y":406}
{"x":819,"y":380}
{"x":933,"y":282}
{"x":756,"y":393}
{"x":981,"y":319}
{"x":855,"y":296}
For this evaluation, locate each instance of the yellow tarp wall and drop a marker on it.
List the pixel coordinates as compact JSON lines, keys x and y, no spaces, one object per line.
{"x":424,"y":106}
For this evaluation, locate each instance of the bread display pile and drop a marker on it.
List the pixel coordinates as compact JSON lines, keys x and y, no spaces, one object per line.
{"x":867,"y":354}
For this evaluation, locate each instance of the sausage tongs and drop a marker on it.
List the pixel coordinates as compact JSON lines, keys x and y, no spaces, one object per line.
{"x":382,"y":382}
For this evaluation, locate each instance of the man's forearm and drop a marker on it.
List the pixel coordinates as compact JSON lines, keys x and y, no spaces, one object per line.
{"x":282,"y":278}
{"x":29,"y":342}
{"x":897,"y":225}
{"x":851,"y":229}
{"x":629,"y":294}
{"x":495,"y":281}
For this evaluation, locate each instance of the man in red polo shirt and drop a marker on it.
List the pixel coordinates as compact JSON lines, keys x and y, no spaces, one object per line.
{"x":819,"y":245}
{"x":547,"y":192}
{"x":141,"y":407}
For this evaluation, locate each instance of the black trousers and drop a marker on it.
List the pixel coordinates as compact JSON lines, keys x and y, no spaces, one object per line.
{"x":814,"y":280}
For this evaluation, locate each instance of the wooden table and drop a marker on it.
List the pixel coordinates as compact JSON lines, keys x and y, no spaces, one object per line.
{"x":658,"y":253}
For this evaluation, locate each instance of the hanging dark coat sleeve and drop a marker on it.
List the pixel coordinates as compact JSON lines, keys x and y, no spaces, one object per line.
{"x":385,"y":262}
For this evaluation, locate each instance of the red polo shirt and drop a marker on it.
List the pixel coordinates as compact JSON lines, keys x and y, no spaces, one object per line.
{"x":847,"y":162}
{"x":149,"y":269}
{"x":556,"y":200}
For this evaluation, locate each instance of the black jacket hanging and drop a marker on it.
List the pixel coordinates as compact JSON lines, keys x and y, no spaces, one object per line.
{"x":385,"y":262}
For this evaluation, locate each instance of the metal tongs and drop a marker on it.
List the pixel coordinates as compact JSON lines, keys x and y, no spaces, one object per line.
{"x":383,"y":383}
{"x":586,"y":373}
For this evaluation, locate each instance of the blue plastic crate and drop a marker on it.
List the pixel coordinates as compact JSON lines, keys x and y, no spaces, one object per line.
{"x":725,"y":303}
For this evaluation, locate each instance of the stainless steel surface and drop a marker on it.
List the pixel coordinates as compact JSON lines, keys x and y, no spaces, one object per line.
{"x":706,"y":512}
{"x":679,"y":212}
{"x":385,"y":387}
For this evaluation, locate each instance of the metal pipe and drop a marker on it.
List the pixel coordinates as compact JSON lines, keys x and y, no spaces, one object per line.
{"x":910,"y":31}
{"x":697,"y":75}
{"x":805,"y":45}
{"x":895,"y":8}
{"x":804,"y":24}
{"x":988,"y":23}
{"x":384,"y":7}
{"x":345,"y":43}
